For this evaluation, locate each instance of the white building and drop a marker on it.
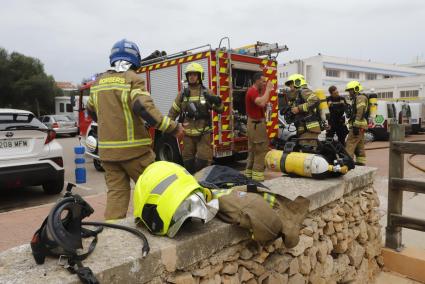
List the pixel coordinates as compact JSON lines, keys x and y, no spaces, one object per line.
{"x":322,"y":71}
{"x":401,"y":88}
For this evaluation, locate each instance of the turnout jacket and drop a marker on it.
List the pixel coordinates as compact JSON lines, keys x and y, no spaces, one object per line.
{"x":359,"y":106}
{"x":308,"y":103}
{"x":122,"y":106}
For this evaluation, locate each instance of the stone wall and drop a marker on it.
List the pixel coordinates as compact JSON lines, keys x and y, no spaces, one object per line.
{"x":339,"y":243}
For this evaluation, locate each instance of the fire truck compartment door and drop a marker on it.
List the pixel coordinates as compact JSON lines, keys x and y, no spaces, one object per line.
{"x":164,"y":87}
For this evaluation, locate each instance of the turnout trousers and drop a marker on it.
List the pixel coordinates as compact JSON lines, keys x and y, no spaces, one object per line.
{"x":117,"y":177}
{"x":258,"y":145}
{"x":197,"y":152}
{"x":355,"y":146}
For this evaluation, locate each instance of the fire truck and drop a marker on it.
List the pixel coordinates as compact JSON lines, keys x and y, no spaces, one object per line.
{"x":84,"y":119}
{"x":228,"y":73}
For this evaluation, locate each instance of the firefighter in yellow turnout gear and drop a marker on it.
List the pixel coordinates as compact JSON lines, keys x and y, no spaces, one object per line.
{"x":304,"y":105}
{"x":120,"y":104}
{"x":358,"y":122}
{"x":193,"y":106}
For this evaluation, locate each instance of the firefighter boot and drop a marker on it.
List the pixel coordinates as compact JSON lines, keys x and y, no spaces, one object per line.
{"x":189,"y":165}
{"x":294,"y":213}
{"x":200,"y":164}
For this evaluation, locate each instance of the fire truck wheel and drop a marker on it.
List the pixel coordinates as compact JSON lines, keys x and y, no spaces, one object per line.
{"x":166,"y":149}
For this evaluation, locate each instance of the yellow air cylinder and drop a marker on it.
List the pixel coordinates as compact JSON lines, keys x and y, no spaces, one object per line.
{"x":301,"y":164}
{"x":373,"y":105}
{"x":323,"y":106}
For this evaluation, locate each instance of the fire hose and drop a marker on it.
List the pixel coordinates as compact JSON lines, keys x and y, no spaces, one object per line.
{"x":409,"y":160}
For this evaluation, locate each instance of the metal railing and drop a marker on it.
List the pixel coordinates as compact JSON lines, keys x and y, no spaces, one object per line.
{"x":397,"y":184}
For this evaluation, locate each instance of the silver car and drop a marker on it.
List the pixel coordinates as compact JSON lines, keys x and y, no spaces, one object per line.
{"x":60,"y":123}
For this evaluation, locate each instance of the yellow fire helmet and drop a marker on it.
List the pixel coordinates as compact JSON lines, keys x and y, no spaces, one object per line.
{"x":298,"y":80}
{"x":194,"y":68}
{"x":166,"y":195}
{"x":354,"y":85}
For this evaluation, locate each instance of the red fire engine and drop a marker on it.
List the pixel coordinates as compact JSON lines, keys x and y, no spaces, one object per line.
{"x":228,"y":73}
{"x":84,"y":120}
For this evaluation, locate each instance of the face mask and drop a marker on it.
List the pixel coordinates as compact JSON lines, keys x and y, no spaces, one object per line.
{"x":121,"y":66}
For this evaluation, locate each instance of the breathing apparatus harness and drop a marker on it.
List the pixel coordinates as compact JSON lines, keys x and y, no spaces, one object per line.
{"x":192,"y":110}
{"x":297,"y":119}
{"x":61,"y":235}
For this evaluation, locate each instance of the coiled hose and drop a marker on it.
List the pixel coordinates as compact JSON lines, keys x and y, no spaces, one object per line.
{"x":409,"y":160}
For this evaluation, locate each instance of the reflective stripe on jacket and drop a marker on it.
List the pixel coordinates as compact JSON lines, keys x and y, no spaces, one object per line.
{"x":122,"y":106}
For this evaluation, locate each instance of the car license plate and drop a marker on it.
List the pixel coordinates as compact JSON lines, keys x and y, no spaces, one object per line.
{"x":14,"y":143}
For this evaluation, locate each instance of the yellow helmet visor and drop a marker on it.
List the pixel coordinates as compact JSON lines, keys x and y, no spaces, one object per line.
{"x":194,"y":206}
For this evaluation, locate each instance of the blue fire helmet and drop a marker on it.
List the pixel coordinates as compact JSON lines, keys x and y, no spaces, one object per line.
{"x":125,"y":50}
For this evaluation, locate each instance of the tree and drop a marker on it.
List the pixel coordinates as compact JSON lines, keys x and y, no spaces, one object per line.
{"x":25,"y":85}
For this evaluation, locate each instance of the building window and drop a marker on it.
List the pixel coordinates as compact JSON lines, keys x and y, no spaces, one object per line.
{"x":409,"y":94}
{"x":332,"y":73}
{"x":353,"y":75}
{"x":371,"y":76}
{"x":69,"y":108}
{"x":384,"y":95}
{"x":61,"y":107}
{"x":387,"y":76}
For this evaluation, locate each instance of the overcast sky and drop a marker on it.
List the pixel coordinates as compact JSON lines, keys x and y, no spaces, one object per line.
{"x":73,"y":38}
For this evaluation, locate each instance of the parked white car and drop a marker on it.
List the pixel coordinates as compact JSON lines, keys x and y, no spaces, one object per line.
{"x":29,"y":155}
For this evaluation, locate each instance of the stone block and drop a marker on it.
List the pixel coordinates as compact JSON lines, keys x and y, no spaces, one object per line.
{"x":230,"y":279}
{"x":274,"y":278}
{"x":253,"y":267}
{"x":329,"y":228}
{"x":261,"y":257}
{"x":304,"y":264}
{"x":230,"y":268}
{"x":182,"y":278}
{"x":297,"y":279}
{"x":278,"y":263}
{"x":355,"y":254}
{"x":304,"y":243}
{"x":246,"y":254}
{"x":244,"y":274}
{"x":294,"y":266}
{"x":341,"y":246}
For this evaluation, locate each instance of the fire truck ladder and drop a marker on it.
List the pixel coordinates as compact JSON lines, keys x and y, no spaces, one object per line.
{"x":226,"y":86}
